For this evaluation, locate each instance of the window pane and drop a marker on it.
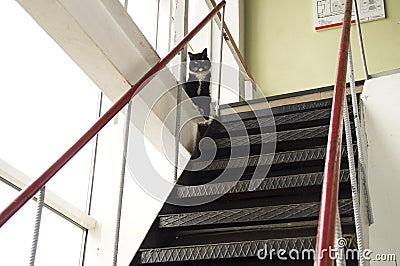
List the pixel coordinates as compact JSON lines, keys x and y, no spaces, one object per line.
{"x":144,"y":14}
{"x":59,"y":240}
{"x":16,"y":234}
{"x":46,"y":104}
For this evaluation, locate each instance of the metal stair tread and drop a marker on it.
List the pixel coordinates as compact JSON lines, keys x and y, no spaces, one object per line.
{"x":262,"y":160}
{"x":230,"y":250}
{"x":297,"y":107}
{"x":263,"y":122}
{"x":288,"y":135}
{"x":231,"y":231}
{"x":249,"y":215}
{"x":269,"y":183}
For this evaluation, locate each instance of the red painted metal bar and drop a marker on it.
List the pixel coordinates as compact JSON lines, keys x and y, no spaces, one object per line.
{"x":330,"y":187}
{"x":29,"y":191}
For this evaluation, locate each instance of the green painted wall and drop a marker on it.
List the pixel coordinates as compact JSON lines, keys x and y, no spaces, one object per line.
{"x":285,"y":53}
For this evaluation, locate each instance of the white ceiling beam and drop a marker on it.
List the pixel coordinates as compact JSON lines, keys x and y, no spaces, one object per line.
{"x":109,"y":47}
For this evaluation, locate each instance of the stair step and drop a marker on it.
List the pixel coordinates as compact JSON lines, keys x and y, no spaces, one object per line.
{"x":270,"y":183}
{"x":232,"y":250}
{"x":261,"y":187}
{"x":283,"y":136}
{"x":262,"y":160}
{"x":271,"y":230}
{"x":249,"y":215}
{"x":285,"y":109}
{"x":266,"y":122}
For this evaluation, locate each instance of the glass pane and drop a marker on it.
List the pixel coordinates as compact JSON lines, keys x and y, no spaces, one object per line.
{"x":16,"y":234}
{"x":144,"y":14}
{"x":59,"y":240}
{"x":46,"y":104}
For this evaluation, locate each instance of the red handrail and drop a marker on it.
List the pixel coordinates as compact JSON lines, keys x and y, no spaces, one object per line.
{"x":330,"y":187}
{"x":29,"y":191}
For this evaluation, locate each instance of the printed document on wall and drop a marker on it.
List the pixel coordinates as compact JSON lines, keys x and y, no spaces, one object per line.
{"x":329,"y":13}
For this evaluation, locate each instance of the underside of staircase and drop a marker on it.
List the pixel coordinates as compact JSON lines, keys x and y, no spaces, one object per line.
{"x":280,"y":213}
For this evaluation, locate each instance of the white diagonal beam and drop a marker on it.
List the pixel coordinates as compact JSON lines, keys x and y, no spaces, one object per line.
{"x":52,"y":200}
{"x":109,"y":47}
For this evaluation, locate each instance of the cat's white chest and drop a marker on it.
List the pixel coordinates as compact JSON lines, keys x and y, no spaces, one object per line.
{"x":199,"y":88}
{"x":200,"y":76}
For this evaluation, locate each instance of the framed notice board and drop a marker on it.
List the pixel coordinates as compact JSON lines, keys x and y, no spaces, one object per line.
{"x":329,"y":13}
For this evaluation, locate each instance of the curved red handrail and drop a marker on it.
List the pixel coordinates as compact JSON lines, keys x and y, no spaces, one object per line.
{"x":29,"y":191}
{"x":330,"y":187}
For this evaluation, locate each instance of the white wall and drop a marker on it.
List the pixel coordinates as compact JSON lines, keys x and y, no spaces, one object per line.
{"x":139,"y":208}
{"x":285,"y":54}
{"x":381,"y":110}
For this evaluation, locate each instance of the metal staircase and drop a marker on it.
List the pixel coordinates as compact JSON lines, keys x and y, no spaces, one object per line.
{"x":250,"y":227}
{"x":267,"y":220}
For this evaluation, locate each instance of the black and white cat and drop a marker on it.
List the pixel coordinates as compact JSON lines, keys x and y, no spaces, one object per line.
{"x":197,"y":86}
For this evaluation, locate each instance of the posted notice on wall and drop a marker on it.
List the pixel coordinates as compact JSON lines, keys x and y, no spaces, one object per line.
{"x":329,"y":13}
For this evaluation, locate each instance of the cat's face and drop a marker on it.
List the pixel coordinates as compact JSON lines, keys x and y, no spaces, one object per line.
{"x":199,"y":62}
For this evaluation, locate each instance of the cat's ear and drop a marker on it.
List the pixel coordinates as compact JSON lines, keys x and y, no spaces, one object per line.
{"x":204,"y":53}
{"x":190,"y":55}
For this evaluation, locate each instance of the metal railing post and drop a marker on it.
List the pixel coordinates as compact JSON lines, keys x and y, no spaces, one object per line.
{"x":360,"y":40}
{"x":122,"y":183}
{"x":330,"y":187}
{"x":122,"y":176}
{"x":218,"y":113}
{"x":179,"y":88}
{"x":177,"y":130}
{"x":157,"y":24}
{"x":353,"y":183}
{"x":233,"y":46}
{"x":126,"y":5}
{"x":36,"y":230}
{"x":340,"y":259}
{"x":361,"y":158}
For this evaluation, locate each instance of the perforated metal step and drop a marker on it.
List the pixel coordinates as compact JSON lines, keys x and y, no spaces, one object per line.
{"x":267,"y":208}
{"x":264,"y":122}
{"x":244,"y":249}
{"x":285,"y":109}
{"x":249,"y":215}
{"x":263,"y":160}
{"x":289,"y":135}
{"x":270,"y":183}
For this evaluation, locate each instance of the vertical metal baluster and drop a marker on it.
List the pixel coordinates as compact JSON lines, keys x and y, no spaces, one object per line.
{"x":179,"y":91}
{"x":340,"y":259}
{"x":353,"y":182}
{"x":122,"y":183}
{"x":177,"y":128}
{"x":126,"y":5}
{"x":360,"y":40}
{"x":122,"y":176}
{"x":158,"y":21}
{"x":170,"y":21}
{"x":36,"y":230}
{"x":218,"y":112}
{"x":361,"y":157}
